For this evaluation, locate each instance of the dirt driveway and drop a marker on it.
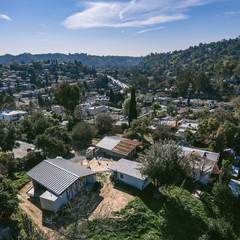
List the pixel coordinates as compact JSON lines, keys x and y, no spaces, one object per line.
{"x":33,"y":211}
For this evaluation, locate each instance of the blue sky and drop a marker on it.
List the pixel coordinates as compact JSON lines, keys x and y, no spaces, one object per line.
{"x":106,"y":27}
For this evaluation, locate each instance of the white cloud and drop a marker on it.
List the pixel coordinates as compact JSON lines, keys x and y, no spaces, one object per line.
{"x":5,"y":17}
{"x":134,"y":13}
{"x":150,"y":29}
{"x":233,"y":13}
{"x":42,"y":25}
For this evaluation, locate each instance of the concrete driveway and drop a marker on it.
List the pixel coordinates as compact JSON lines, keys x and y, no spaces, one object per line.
{"x":21,"y":151}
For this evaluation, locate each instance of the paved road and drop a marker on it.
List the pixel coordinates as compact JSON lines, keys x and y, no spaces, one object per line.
{"x":21,"y":151}
{"x":122,"y":85}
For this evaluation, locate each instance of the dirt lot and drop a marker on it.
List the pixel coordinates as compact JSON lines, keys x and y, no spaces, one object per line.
{"x":97,"y":165}
{"x":114,"y":199}
{"x":33,"y":211}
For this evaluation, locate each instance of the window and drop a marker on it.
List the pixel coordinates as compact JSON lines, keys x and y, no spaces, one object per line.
{"x":121,"y":175}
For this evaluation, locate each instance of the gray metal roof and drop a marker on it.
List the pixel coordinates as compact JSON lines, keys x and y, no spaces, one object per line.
{"x":210,"y":155}
{"x":109,"y":142}
{"x":57,"y":174}
{"x":130,"y":168}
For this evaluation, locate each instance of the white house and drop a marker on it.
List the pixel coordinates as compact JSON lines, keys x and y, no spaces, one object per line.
{"x":202,"y":162}
{"x":14,"y":115}
{"x":184,"y":124}
{"x":235,"y":187}
{"x":56,"y":181}
{"x":235,"y":172}
{"x":92,"y":111}
{"x":129,"y":172}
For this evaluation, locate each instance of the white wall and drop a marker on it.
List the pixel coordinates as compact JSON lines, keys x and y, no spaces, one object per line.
{"x":131,"y":181}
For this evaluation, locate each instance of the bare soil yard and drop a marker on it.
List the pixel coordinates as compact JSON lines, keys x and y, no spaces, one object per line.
{"x":97,"y":165}
{"x":114,"y":199}
{"x":32,"y":209}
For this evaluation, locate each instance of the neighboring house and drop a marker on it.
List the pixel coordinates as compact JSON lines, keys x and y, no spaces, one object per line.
{"x":14,"y":115}
{"x":118,"y":147}
{"x":118,"y":126}
{"x":57,"y":109}
{"x":167,"y":121}
{"x":129,"y":172}
{"x":102,"y":100}
{"x":56,"y":181}
{"x":184,"y":124}
{"x":203,"y":163}
{"x":235,"y":172}
{"x":92,"y":111}
{"x":235,"y":186}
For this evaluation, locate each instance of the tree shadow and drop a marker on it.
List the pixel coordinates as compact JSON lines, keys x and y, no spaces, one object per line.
{"x":81,"y":206}
{"x":178,"y":220}
{"x":182,"y":222}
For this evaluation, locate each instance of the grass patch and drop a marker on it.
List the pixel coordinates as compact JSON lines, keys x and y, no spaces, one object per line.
{"x":102,"y":176}
{"x":19,"y":179}
{"x":177,"y":215}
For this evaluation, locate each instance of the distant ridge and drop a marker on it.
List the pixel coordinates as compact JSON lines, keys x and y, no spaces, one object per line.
{"x":206,"y":56}
{"x":90,"y":60}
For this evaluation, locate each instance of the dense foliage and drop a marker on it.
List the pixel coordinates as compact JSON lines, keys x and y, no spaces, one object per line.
{"x":104,"y":123}
{"x":164,"y":162}
{"x":8,"y":135}
{"x":36,"y":124}
{"x":215,"y":56}
{"x":8,"y":199}
{"x":82,"y":134}
{"x":54,"y":142}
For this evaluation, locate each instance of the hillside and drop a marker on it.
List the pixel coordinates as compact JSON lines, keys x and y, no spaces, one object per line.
{"x":204,"y":56}
{"x":90,"y":60}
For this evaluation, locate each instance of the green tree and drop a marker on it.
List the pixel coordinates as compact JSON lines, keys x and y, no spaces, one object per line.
{"x":230,"y":130}
{"x":188,"y":135}
{"x":7,"y":163}
{"x":224,"y":200}
{"x":162,"y":132}
{"x":36,"y":124}
{"x":54,"y":142}
{"x":140,"y":127}
{"x":67,"y":96}
{"x":133,"y":107}
{"x":220,"y":229}
{"x":184,"y":79}
{"x":126,"y":107}
{"x":236,"y":104}
{"x":170,"y":109}
{"x":225,"y":176}
{"x":7,"y":102}
{"x":28,"y":230}
{"x":8,"y":135}
{"x":164,"y":162}
{"x":202,"y":84}
{"x":82,"y":135}
{"x":8,"y":199}
{"x":31,"y":160}
{"x":111,"y":96}
{"x":104,"y":123}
